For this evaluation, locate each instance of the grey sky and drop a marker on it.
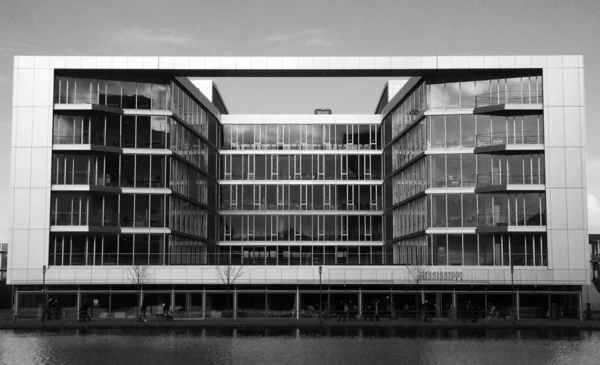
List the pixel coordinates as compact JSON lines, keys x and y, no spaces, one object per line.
{"x":303,"y":28}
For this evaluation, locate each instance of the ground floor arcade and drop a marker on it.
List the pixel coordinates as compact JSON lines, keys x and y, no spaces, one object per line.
{"x":298,"y":301}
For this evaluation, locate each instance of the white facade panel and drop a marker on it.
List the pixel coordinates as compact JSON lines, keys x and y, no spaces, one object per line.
{"x":554,"y":84}
{"x":575,"y":214}
{"x":40,"y":159}
{"x":41,"y":135}
{"x":556,"y":203}
{"x":555,"y":61}
{"x":571,"y":86}
{"x":22,"y":167}
{"x":24,"y":121}
{"x":73,"y":62}
{"x":555,"y":168}
{"x":558,"y":238}
{"x":37,"y":248}
{"x":42,"y":91}
{"x":24,"y":95}
{"x":574,"y":171}
{"x":89,"y":62}
{"x":196,"y":63}
{"x":41,"y":62}
{"x":572,"y":121}
{"x":26,"y":61}
{"x":570,"y":61}
{"x":21,"y":210}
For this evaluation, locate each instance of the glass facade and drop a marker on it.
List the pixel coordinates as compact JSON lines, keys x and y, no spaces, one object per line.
{"x":151,"y":173}
{"x":422,"y":186}
{"x":433,"y":173}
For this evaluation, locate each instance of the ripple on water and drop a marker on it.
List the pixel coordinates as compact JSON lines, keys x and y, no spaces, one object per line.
{"x":299,"y":346}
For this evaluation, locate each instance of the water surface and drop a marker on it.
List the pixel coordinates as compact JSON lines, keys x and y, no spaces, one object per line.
{"x":300,"y":346}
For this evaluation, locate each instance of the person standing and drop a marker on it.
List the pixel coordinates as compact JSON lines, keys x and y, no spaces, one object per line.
{"x":143,"y":311}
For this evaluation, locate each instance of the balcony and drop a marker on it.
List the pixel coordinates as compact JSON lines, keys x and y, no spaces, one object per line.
{"x":500,"y":103}
{"x":511,"y":222}
{"x":509,"y":141}
{"x":77,"y":179}
{"x":502,"y":181}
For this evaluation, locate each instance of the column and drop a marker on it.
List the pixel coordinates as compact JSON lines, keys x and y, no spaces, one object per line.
{"x":518,"y":304}
{"x":297,"y":302}
{"x":234,"y":302}
{"x":203,"y":302}
{"x":360,"y":300}
{"x":78,"y":300}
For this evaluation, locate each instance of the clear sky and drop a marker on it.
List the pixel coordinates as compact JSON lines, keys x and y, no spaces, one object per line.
{"x":302,"y":28}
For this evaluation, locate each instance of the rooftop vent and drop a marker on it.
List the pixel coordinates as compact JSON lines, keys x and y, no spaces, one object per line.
{"x":322,"y":111}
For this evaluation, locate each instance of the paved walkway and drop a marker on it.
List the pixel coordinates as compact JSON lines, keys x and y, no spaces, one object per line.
{"x":35,"y":323}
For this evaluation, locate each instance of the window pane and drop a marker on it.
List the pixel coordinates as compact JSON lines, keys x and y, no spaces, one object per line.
{"x":438,"y":210}
{"x":438,"y":171}
{"x":453,"y":171}
{"x":438,"y":131}
{"x":467,"y":131}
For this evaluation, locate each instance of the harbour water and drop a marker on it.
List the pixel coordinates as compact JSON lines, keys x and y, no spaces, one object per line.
{"x":300,"y":346}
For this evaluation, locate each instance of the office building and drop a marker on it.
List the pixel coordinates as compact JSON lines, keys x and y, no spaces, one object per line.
{"x":469,"y":177}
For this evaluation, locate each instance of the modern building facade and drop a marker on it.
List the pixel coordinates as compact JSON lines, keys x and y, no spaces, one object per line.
{"x":469,"y":177}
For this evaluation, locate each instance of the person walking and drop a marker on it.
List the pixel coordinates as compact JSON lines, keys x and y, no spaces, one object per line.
{"x":143,"y":311}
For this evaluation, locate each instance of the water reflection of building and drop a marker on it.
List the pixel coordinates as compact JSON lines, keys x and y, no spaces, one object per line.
{"x":470,"y":166}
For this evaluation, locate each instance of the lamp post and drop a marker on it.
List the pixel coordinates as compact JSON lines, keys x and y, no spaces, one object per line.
{"x":512,"y":285}
{"x":320,"y":295}
{"x":45,"y":293}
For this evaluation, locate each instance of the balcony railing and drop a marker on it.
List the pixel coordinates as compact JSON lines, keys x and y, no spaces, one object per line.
{"x":88,"y":97}
{"x":85,"y":137}
{"x":114,"y":220}
{"x":509,"y":138}
{"x":508,"y":97}
{"x":502,"y":178}
{"x":86,"y":178}
{"x":511,"y":219}
{"x":295,"y":259}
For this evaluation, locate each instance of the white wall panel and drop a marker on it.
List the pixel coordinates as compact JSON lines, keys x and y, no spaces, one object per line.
{"x":25,"y":88}
{"x":571,"y":61}
{"x":557,"y":208}
{"x":398,"y":63}
{"x":476,"y":62}
{"x":574,"y":168}
{"x":42,"y":90}
{"x":554,"y":83}
{"x":22,"y":167}
{"x":507,"y":61}
{"x":555,"y":61}
{"x":560,"y":249}
{"x":491,"y":61}
{"x":26,"y":61}
{"x":181,"y":63}
{"x":575,"y":214}
{"x":119,"y":63}
{"x":523,"y":61}
{"x":41,"y":62}
{"x":104,"y":62}
{"x":41,"y":135}
{"x":21,"y":209}
{"x":413,"y":62}
{"x":304,"y":63}
{"x":290,"y":63}
{"x":212,"y":63}
{"x":445,"y":62}
{"x":560,"y":276}
{"x":572,"y":127}
{"x":89,"y":62}
{"x":73,"y":62}
{"x":23,"y":124}
{"x":571,"y":86}
{"x":555,"y":168}
{"x":577,"y":243}
{"x":38,"y":247}
{"x":581,"y":88}
{"x":351,"y":63}
{"x":196,"y":63}
{"x":429,"y":62}
{"x":58,"y":62}
{"x":39,"y":167}
{"x":18,"y":249}
{"x":273,"y":63}
{"x":38,"y":210}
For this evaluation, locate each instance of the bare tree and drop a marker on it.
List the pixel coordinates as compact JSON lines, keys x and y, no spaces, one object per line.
{"x":228,"y":274}
{"x":418,"y":272}
{"x":138,"y":275}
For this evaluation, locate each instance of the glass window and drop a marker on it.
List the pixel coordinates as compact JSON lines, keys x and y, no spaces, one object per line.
{"x":467,"y":94}
{"x":453,"y":131}
{"x":438,"y":131}
{"x":453,"y":171}
{"x":454,"y":249}
{"x":436,"y":96}
{"x":159,"y":96}
{"x":143,"y":132}
{"x":469,"y":210}
{"x":469,"y":175}
{"x":452,"y":95}
{"x":159,"y":132}
{"x":439,"y":249}
{"x":128,"y":132}
{"x":129,"y":95}
{"x":467,"y":131}
{"x":142,"y":176}
{"x":144,"y":96}
{"x":454,"y":210}
{"x":438,"y":210}
{"x":126,"y":211}
{"x":438,"y":171}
